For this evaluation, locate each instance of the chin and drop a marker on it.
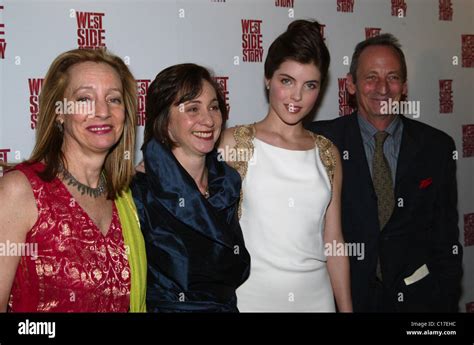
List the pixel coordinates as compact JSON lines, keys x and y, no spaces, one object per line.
{"x":104,"y":147}
{"x":291,"y":120}
{"x":205,"y":150}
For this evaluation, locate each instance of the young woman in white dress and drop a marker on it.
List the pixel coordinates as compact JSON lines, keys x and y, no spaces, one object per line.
{"x":291,"y":184}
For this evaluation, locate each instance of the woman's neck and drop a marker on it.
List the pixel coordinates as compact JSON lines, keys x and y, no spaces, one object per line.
{"x":195,"y":166}
{"x":273,"y":123}
{"x":85,"y":168}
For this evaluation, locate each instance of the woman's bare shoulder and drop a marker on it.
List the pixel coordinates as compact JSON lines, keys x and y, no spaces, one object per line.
{"x":227,"y":138}
{"x":17,"y":197}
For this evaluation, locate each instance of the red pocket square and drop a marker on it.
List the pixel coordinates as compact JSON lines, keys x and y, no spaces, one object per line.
{"x":426,"y":182}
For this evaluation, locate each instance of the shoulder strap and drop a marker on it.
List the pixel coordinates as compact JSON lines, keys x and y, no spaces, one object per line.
{"x":244,"y":150}
{"x":325,"y":153}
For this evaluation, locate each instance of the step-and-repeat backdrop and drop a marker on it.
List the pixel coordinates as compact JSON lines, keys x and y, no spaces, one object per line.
{"x":231,"y":37}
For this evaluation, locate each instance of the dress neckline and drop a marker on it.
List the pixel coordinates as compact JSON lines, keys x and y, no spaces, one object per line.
{"x":82,"y":210}
{"x":283,"y":149}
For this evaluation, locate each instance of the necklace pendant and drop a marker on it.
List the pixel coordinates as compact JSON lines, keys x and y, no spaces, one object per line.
{"x":82,"y":188}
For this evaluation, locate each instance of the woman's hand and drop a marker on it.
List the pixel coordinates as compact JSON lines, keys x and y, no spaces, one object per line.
{"x":140,"y":167}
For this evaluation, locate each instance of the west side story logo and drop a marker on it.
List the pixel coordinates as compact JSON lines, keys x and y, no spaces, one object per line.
{"x":344,"y":98}
{"x":285,"y":3}
{"x":372,"y":32}
{"x":142,"y":89}
{"x":445,"y":10}
{"x":468,"y":140}
{"x":90,"y":31}
{"x":345,"y":6}
{"x":321,"y":30}
{"x":399,"y":8}
{"x":34,"y":85}
{"x":252,"y":50}
{"x":223,"y":83}
{"x":3,"y":43}
{"x":446,"y":103}
{"x":4,"y":155}
{"x":469,"y":229}
{"x":467,"y":50}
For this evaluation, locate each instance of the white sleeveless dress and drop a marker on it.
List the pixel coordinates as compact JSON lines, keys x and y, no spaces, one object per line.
{"x":285,"y":197}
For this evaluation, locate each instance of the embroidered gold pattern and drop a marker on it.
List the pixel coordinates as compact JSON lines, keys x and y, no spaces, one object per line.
{"x":243,"y":136}
{"x":325,"y":153}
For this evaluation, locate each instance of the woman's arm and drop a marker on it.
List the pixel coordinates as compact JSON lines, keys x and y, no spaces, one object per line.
{"x":18,"y":213}
{"x":338,"y":265}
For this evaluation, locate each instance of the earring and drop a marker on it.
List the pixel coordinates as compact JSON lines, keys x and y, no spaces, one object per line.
{"x":60,"y":126}
{"x":268,"y":86}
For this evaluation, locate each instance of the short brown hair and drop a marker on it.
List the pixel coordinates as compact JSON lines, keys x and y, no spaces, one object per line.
{"x":387,"y":40}
{"x":49,"y":138}
{"x":172,"y":86}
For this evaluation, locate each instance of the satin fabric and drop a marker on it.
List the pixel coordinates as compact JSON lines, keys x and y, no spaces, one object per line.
{"x":195,"y":248}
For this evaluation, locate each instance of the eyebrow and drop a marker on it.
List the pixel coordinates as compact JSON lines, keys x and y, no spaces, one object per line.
{"x":92,"y":88}
{"x":197,"y":101}
{"x":390,"y":72}
{"x":289,"y":76}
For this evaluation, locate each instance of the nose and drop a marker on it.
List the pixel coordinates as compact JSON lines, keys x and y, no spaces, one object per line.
{"x":382,"y":86}
{"x":296,"y":93}
{"x":207,"y":119}
{"x":101,"y":109}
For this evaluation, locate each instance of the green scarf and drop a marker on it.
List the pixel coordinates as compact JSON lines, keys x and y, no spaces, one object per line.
{"x":135,"y":246}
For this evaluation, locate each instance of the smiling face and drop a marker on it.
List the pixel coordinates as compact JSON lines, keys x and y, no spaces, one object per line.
{"x":293,"y":91}
{"x":97,"y":131}
{"x":195,"y":125}
{"x":379,"y":78}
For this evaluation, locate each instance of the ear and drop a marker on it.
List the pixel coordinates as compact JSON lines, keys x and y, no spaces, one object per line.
{"x":170,"y":134}
{"x":60,"y":118}
{"x":350,"y":85}
{"x":405,"y":89}
{"x":267,"y":84}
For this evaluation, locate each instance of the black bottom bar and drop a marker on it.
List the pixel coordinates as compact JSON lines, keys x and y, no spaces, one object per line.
{"x":237,"y":329}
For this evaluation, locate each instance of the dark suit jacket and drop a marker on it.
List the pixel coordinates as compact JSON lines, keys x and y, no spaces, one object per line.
{"x":423,"y":228}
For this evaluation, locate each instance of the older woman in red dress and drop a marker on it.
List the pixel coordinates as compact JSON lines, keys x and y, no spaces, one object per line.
{"x":69,"y":203}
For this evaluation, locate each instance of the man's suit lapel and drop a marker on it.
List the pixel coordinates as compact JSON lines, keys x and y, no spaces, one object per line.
{"x":359,"y":182}
{"x":408,"y":150}
{"x":357,"y":154}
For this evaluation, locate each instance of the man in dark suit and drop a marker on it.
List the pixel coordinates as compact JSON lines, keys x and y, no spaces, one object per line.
{"x":399,"y":193}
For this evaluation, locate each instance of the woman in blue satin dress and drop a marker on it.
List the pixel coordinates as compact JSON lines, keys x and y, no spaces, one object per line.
{"x":187,"y":197}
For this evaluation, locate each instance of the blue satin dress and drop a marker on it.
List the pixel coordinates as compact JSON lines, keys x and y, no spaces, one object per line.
{"x":195,"y":248}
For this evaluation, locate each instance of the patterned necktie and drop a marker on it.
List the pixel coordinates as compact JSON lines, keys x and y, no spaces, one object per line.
{"x":383,"y":185}
{"x":382,"y":180}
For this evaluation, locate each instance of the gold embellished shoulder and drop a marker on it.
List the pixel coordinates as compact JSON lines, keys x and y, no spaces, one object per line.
{"x":326,"y":154}
{"x":244,"y":150}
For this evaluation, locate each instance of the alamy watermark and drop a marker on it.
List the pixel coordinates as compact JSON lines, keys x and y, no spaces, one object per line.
{"x":408,"y":108}
{"x":19,"y":249}
{"x":235,"y":155}
{"x":66,"y":107}
{"x":335,"y":248}
{"x":37,"y":328}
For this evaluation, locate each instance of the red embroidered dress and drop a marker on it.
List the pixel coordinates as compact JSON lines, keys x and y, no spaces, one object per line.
{"x":76,"y":268}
